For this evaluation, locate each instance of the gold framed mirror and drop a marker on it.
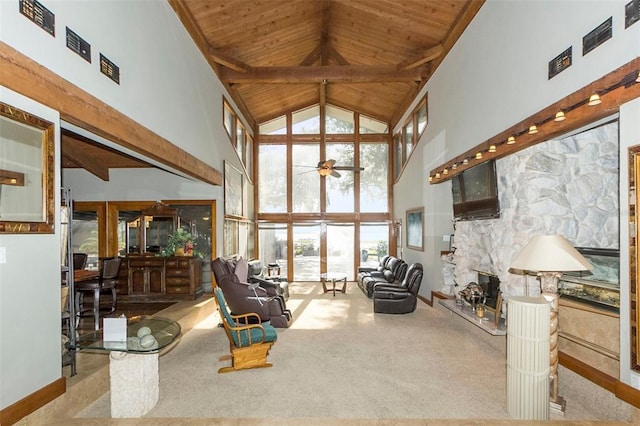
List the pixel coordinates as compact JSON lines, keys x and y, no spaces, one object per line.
{"x":634,"y":176}
{"x":26,"y":173}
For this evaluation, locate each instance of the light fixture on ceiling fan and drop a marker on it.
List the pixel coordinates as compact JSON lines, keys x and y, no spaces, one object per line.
{"x":328,"y":168}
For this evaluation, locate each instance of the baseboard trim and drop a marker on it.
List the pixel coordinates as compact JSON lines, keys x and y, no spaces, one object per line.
{"x":621,"y":390}
{"x":31,"y":403}
{"x":434,"y":295}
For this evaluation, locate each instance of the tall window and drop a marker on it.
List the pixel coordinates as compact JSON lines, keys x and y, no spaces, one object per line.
{"x":340,"y":247}
{"x":322,"y":214}
{"x":374,"y":183}
{"x":306,"y":181}
{"x":306,"y":252}
{"x":273,"y":178}
{"x":340,"y":195}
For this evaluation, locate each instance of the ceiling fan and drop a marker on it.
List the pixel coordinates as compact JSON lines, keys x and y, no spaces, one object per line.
{"x":328,"y":168}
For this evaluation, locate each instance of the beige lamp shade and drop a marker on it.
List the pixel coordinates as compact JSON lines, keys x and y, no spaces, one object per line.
{"x":550,"y":253}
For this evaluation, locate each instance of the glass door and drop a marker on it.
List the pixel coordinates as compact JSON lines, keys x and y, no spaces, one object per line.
{"x":306,"y":251}
{"x":340,"y":249}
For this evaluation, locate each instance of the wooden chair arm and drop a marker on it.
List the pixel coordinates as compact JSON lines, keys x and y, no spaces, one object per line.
{"x":245,"y":317}
{"x":239,"y":328}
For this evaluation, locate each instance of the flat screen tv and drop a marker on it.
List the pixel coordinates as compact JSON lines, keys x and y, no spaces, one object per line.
{"x":475,"y":193}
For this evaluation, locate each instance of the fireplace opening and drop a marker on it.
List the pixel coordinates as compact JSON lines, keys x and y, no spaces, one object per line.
{"x":491,"y":287}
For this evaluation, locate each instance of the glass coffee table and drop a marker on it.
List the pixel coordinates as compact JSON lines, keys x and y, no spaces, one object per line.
{"x":333,"y":277}
{"x":164,"y":331}
{"x":133,"y":364}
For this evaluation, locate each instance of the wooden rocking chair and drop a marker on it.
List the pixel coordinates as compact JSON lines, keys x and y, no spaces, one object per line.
{"x":249,"y":343}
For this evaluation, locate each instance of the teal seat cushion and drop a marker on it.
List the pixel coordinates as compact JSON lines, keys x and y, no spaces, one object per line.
{"x":256,"y":335}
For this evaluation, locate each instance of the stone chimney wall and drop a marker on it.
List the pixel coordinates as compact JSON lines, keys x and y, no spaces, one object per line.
{"x":568,"y":186}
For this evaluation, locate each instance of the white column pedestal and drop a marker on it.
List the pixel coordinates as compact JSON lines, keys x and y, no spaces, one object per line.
{"x":135,"y":384}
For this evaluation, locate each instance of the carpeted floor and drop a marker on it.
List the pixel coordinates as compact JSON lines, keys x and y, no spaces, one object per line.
{"x":339,"y":360}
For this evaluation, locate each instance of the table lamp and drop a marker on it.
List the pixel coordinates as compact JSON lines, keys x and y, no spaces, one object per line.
{"x":549,"y":256}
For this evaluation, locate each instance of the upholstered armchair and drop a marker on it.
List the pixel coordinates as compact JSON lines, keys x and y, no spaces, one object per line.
{"x":243,"y":297}
{"x":398,"y":299}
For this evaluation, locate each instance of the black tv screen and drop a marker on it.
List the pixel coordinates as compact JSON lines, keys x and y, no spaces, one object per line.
{"x":475,"y":193}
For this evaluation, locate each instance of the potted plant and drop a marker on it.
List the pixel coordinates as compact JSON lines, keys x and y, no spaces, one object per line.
{"x":180,"y":243}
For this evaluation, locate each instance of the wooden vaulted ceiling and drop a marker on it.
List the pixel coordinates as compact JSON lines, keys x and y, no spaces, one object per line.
{"x":370,"y":56}
{"x":275,"y":56}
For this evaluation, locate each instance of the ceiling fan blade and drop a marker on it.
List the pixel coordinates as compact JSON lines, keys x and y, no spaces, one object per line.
{"x":350,"y":168}
{"x":335,"y":174}
{"x":307,"y":171}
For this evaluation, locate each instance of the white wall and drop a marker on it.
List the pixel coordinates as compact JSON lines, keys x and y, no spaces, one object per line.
{"x":165,"y":85}
{"x":629,"y":136}
{"x":30,"y":293}
{"x":496,"y":76}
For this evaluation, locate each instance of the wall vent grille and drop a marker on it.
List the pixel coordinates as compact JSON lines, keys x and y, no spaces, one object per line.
{"x":560,"y":62}
{"x":631,"y":13}
{"x":596,"y":37}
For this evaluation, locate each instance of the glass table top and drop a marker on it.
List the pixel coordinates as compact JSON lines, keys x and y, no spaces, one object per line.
{"x":336,"y":276}
{"x":145,"y":334}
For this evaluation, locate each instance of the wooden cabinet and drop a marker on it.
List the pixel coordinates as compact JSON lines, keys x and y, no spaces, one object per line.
{"x":152,"y":278}
{"x":179,"y":276}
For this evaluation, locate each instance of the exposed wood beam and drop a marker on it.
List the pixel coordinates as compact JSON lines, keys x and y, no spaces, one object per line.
{"x":8,"y":177}
{"x":461,"y":23}
{"x":404,"y":105}
{"x":312,"y":57}
{"x":427,"y":56}
{"x":192,"y":27}
{"x":228,"y":61}
{"x":90,"y":164}
{"x":579,"y":114}
{"x":342,"y":74}
{"x":23,"y":75}
{"x":324,"y":33}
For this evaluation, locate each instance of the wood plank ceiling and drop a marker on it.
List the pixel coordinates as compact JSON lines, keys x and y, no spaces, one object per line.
{"x":275,"y":56}
{"x":373,"y":55}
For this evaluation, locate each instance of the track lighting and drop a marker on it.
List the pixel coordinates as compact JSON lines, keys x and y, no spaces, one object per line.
{"x":492,"y":148}
{"x":559,"y":116}
{"x":478,"y":156}
{"x":430,"y":178}
{"x":594,"y":100}
{"x":465,"y":161}
{"x":454,"y":166}
{"x":533,"y":129}
{"x":638,"y":79}
{"x":437,"y":175}
{"x":445,"y":172}
{"x":511,"y":140}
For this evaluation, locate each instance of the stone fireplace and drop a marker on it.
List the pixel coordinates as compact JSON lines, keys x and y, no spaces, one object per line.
{"x":567,"y":186}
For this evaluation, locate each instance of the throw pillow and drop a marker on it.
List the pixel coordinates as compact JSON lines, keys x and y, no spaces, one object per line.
{"x":242,"y":269}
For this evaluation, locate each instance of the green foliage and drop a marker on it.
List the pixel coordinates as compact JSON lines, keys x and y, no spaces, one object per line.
{"x":180,"y":239}
{"x":305,"y":248}
{"x":383,"y":248}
